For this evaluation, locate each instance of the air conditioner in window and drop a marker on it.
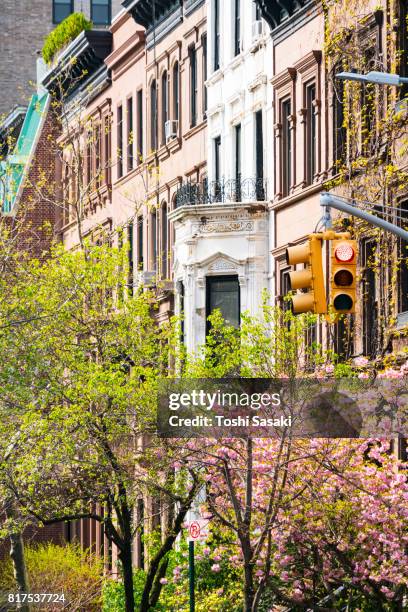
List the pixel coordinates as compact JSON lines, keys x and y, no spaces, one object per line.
{"x":171,"y":129}
{"x":257,"y":30}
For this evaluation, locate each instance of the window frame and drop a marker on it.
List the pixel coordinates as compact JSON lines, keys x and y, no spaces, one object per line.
{"x":153,"y":116}
{"x":192,"y":54}
{"x":204,"y":73}
{"x":100,"y":23}
{"x":54,"y":3}
{"x":164,"y":240}
{"x":139,"y":119}
{"x":216,"y":35}
{"x":311,"y":132}
{"x":286,"y":153}
{"x":216,"y":279}
{"x":176,"y":90}
{"x":237,"y":27}
{"x":164,"y":104}
{"x":119,"y":140}
{"x":130,"y":157}
{"x":259,"y":154}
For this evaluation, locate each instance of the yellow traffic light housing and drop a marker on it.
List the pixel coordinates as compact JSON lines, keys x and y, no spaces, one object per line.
{"x":343,"y":276}
{"x":310,"y":254}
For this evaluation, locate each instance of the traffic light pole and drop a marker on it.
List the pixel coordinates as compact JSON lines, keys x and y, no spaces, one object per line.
{"x":328,"y":200}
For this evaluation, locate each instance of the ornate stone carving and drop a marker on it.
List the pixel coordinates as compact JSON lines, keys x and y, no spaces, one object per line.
{"x":215,"y":227}
{"x":222,"y":265}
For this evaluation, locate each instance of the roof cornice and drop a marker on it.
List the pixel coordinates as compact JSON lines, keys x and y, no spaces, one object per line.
{"x":83,"y":56}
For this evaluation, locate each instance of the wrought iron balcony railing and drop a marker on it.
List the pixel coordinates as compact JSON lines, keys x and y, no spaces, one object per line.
{"x":222,"y":191}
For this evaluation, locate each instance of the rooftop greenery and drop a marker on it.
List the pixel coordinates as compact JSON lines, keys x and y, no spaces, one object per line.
{"x":66,"y":31}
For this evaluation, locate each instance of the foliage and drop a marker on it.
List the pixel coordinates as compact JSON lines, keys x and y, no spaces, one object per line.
{"x":214,"y":590}
{"x":371,"y":168}
{"x":65,"y":32}
{"x":272,"y":345}
{"x":60,"y":569}
{"x":114,"y":594}
{"x":78,"y":390}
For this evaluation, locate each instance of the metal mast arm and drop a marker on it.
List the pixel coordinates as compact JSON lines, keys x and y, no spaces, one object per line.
{"x":331,"y":201}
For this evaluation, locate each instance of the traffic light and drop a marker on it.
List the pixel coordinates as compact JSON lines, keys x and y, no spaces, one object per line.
{"x":310,"y":254}
{"x":343,"y":275}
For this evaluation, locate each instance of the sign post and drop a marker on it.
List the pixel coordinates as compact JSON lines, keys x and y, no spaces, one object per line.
{"x":191,"y":574}
{"x":197,"y":530}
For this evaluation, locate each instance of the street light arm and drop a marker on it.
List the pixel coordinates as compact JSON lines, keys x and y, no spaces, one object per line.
{"x":332,"y":201}
{"x":378,"y":78}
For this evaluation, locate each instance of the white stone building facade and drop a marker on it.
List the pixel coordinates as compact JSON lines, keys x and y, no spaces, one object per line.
{"x":222,"y":226}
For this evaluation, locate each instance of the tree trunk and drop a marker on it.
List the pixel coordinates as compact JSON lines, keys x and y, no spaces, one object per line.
{"x":158,"y":563}
{"x":249,"y":586}
{"x":127,"y":568}
{"x":18,"y":559}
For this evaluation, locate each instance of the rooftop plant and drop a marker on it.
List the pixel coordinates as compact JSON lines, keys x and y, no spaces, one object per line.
{"x":66,"y":31}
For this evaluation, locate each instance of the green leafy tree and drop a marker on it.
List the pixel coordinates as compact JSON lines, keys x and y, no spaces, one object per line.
{"x":78,"y":388}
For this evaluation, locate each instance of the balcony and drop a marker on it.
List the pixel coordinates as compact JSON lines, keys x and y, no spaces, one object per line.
{"x":221,"y":192}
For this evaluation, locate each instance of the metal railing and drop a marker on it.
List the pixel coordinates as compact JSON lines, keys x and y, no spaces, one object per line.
{"x":221,"y":191}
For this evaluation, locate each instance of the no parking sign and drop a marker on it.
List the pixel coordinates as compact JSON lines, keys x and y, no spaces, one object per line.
{"x":198,"y":530}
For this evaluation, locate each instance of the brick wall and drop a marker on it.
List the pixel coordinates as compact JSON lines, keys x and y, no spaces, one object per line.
{"x":50,"y":533}
{"x":38,"y":209}
{"x":23,"y":27}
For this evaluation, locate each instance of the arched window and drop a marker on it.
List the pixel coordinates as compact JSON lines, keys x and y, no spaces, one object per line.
{"x":164,"y":106}
{"x":176,"y":91}
{"x":153,"y":116}
{"x":164,"y":241}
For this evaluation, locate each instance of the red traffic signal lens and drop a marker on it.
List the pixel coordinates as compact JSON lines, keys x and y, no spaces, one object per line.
{"x":344,"y":252}
{"x":343,"y":302}
{"x":343,"y":278}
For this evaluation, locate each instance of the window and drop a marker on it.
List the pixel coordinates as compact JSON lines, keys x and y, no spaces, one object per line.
{"x":403,"y":262}
{"x":216,"y":7}
{"x":140,"y":243}
{"x":205,"y":99}
{"x":368,"y":105}
{"x":237,"y":27}
{"x":193,"y":85}
{"x":339,"y":136}
{"x":153,"y":239}
{"x":176,"y":91}
{"x":180,"y":292}
{"x":101,"y":12}
{"x":89,"y":160}
{"x":107,"y":149}
{"x":120,"y":141}
{"x":217,"y":158}
{"x":164,"y":241}
{"x":310,"y":156}
{"x":139,"y":102}
{"x":403,"y":45}
{"x":130,"y":257}
{"x":223,"y":294}
{"x":98,"y":154}
{"x":369,"y":289}
{"x":259,"y":158}
{"x":164,"y":107}
{"x":286,"y":146}
{"x":284,"y":287}
{"x":153,"y":116}
{"x":130,"y":136}
{"x":238,"y":162}
{"x":61,"y":9}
